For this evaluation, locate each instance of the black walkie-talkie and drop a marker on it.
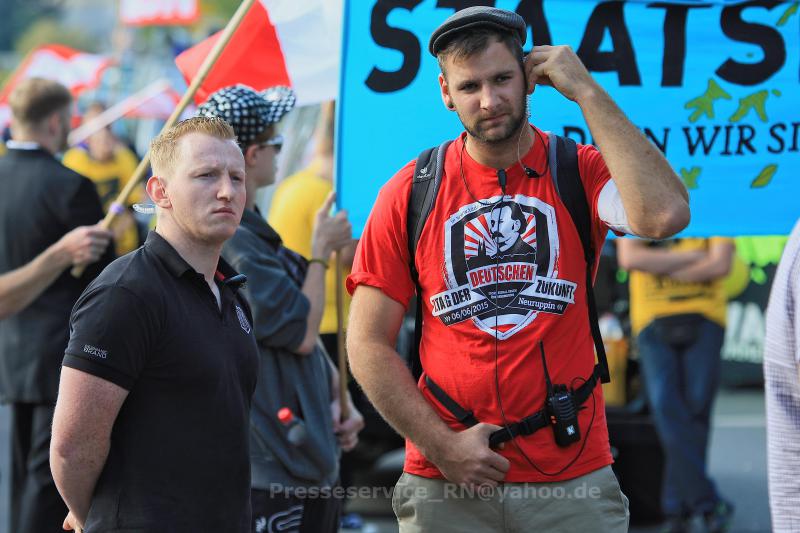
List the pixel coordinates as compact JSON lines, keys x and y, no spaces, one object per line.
{"x":560,"y":407}
{"x":563,"y":416}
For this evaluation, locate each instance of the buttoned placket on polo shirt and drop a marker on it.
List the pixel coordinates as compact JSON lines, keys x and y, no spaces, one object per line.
{"x":226,"y":295}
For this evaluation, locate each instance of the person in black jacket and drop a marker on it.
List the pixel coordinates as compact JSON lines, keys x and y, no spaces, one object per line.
{"x":48,"y":223}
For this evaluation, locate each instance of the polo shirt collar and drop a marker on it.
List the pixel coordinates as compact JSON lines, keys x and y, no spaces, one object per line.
{"x":26,"y":149}
{"x":22,"y":145}
{"x":177,"y":265}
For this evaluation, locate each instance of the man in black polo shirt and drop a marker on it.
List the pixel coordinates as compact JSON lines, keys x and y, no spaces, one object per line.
{"x":48,"y":223}
{"x":151,"y":426}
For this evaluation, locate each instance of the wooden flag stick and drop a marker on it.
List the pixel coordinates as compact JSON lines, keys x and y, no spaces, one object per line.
{"x":117,"y":111}
{"x":119,"y":203}
{"x":341,"y":347}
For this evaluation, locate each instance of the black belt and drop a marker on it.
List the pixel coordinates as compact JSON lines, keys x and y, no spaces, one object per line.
{"x":527,"y":426}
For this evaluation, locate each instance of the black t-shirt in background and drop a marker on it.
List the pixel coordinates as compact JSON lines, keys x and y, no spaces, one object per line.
{"x":179,"y":458}
{"x":41,"y":200}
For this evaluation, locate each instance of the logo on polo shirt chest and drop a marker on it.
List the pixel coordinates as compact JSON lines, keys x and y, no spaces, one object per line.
{"x":243,"y":320}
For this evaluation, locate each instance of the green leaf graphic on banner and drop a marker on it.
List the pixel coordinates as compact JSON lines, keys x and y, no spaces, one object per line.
{"x":704,"y":104}
{"x":756,"y":101}
{"x":761,"y":251}
{"x":689,"y":177}
{"x":791,"y":10}
{"x":764,"y":177}
{"x":777,"y":92}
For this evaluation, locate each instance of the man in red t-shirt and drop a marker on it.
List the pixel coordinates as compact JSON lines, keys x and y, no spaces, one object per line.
{"x":503,"y":243}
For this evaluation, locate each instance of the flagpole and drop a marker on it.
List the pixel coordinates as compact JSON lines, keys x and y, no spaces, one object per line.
{"x":118,"y":206}
{"x":117,"y":111}
{"x":340,"y":340}
{"x":341,"y":346}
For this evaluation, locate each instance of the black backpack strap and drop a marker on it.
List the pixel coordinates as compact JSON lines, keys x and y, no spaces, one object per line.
{"x":467,"y":418}
{"x":527,"y":426}
{"x":424,"y":187}
{"x":568,"y":184}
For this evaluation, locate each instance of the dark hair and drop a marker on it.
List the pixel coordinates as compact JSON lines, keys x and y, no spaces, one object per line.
{"x":35,"y":99}
{"x":516,"y":214}
{"x":265,"y":135}
{"x":469,"y":42}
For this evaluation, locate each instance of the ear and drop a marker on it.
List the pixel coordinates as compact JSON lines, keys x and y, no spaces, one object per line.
{"x":530,"y":86}
{"x":155,"y":189}
{"x":251,"y":155}
{"x":54,"y":123}
{"x":445,"y":89}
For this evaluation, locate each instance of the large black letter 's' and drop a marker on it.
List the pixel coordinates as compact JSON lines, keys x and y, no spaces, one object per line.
{"x":769,"y":39}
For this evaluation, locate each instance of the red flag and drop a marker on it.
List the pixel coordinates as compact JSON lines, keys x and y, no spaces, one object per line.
{"x":76,"y":70}
{"x":158,"y":12}
{"x":277,"y":43}
{"x":252,"y":57}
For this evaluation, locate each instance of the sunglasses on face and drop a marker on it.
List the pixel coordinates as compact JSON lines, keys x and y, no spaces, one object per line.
{"x":275,"y":141}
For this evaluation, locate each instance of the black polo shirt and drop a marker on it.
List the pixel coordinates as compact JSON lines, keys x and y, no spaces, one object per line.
{"x":179,"y":458}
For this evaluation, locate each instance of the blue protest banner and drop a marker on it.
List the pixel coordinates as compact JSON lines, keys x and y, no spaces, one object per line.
{"x":714,"y":85}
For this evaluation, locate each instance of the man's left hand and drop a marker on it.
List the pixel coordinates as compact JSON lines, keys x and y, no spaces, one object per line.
{"x":346,"y":430}
{"x":560,"y":68}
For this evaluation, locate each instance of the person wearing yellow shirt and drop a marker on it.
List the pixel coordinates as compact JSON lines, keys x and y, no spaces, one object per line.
{"x":293,"y":211}
{"x":677,"y":308}
{"x":109,"y":164}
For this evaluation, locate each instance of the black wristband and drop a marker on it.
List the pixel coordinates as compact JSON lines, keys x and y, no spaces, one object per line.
{"x":322,"y":262}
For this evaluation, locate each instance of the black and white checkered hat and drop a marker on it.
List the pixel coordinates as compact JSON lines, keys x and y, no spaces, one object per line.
{"x":248,"y":111}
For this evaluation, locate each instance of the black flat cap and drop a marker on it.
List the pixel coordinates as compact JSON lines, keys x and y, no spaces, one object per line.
{"x":473,"y":17}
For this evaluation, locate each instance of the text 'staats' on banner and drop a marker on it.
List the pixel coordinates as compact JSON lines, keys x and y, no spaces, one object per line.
{"x":715,"y":85}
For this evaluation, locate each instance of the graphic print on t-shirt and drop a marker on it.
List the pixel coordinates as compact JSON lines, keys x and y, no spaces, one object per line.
{"x":500,"y":256}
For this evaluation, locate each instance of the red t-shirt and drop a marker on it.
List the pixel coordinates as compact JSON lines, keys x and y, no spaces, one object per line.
{"x":539,"y":286}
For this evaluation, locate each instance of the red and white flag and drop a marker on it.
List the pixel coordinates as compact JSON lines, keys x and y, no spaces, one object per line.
{"x":76,"y":70}
{"x":158,"y":12}
{"x":156,"y":101}
{"x":279,"y":42}
{"x":160,"y":105}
